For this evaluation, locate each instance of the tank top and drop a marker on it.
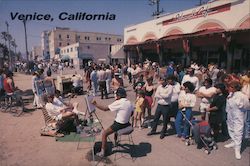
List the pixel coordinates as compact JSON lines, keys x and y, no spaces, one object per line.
{"x":7,"y":86}
{"x":149,"y":93}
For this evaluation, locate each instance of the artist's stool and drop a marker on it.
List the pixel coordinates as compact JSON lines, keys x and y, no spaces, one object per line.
{"x":124,"y":145}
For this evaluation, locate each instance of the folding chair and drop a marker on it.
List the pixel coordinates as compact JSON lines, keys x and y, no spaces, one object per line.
{"x":50,"y":126}
{"x":124,"y":144}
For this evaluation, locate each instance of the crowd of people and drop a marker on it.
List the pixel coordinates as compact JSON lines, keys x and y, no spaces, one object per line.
{"x":224,"y":98}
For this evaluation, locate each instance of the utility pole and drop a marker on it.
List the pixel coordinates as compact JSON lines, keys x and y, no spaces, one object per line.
{"x":8,"y":38}
{"x":157,"y":12}
{"x":26,"y":43}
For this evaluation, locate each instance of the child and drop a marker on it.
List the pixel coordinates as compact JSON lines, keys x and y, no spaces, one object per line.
{"x":186,"y":102}
{"x":139,"y":106}
{"x":139,"y":84}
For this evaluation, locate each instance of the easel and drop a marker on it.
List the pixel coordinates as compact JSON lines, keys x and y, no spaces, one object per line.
{"x":90,"y":112}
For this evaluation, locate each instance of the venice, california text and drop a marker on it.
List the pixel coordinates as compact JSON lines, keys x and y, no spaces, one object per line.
{"x":78,"y":16}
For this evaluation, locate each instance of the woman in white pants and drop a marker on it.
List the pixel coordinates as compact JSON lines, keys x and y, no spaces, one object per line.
{"x":237,"y":104}
{"x":37,"y":92}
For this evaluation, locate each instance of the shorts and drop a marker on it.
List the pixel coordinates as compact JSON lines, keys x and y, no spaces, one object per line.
{"x":118,"y":126}
{"x":149,"y":101}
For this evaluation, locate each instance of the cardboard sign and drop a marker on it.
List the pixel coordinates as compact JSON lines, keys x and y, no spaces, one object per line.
{"x":39,"y":87}
{"x":49,"y":87}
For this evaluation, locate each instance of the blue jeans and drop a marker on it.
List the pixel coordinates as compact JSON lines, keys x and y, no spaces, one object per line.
{"x":184,"y":132}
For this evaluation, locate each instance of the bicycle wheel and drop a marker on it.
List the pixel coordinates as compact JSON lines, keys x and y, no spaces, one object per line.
{"x":3,"y":105}
{"x":17,"y":108}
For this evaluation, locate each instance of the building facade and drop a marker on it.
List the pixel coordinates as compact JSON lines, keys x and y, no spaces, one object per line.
{"x":79,"y":54}
{"x":62,"y":37}
{"x":117,"y":54}
{"x":216,"y":32}
{"x":37,"y":53}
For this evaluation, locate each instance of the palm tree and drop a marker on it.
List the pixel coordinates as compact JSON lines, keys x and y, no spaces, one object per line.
{"x":9,"y":37}
{"x":13,"y":44}
{"x":4,"y":37}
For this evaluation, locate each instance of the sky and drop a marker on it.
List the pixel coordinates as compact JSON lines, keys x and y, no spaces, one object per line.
{"x":127,"y":12}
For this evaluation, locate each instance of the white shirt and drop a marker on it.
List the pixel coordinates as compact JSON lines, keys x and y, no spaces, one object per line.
{"x":214,"y":73}
{"x":101,"y":75}
{"x":76,"y":81}
{"x":193,"y":79}
{"x":108,"y":74}
{"x":123,"y":108}
{"x":129,"y":70}
{"x":163,"y":94}
{"x":187,"y":99}
{"x":176,"y":91}
{"x":237,"y":100}
{"x":205,"y":90}
{"x":54,"y":111}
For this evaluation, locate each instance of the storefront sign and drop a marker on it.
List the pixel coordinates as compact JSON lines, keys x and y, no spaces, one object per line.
{"x":197,"y":13}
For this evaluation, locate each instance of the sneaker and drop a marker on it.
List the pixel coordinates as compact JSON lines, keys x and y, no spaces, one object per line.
{"x":151,"y":133}
{"x":230,"y":145}
{"x":178,"y":136}
{"x":101,"y":154}
{"x":183,"y":139}
{"x":169,"y":126}
{"x":162,"y":136}
{"x":237,"y":154}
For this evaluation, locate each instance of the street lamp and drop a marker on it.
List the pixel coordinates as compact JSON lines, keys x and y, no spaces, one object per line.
{"x":26,"y":43}
{"x":157,"y":12}
{"x":9,"y":38}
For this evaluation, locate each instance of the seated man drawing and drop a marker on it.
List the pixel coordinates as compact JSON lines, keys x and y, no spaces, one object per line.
{"x":123,"y":108}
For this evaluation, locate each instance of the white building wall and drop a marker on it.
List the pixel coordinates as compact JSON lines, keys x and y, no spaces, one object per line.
{"x":45,"y":43}
{"x":229,"y":19}
{"x":37,"y":53}
{"x":96,"y":50}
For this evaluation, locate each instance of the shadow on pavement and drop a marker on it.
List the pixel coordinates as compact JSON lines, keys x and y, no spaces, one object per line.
{"x":135,"y":151}
{"x":245,"y":144}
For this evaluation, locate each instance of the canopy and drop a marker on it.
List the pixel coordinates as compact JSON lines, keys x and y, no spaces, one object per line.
{"x":65,"y":57}
{"x":85,"y":56}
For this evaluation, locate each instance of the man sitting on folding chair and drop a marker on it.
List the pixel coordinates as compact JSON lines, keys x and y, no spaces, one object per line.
{"x":123,"y":108}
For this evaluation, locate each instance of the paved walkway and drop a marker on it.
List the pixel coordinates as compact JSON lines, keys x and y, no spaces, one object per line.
{"x":22,"y":145}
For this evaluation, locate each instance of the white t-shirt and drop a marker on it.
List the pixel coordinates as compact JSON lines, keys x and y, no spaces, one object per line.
{"x":193,"y":79}
{"x":176,"y":91}
{"x":123,"y":108}
{"x":188,"y":99}
{"x":205,"y":90}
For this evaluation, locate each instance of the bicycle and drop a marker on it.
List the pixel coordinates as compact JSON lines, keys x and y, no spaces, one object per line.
{"x":12,"y":103}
